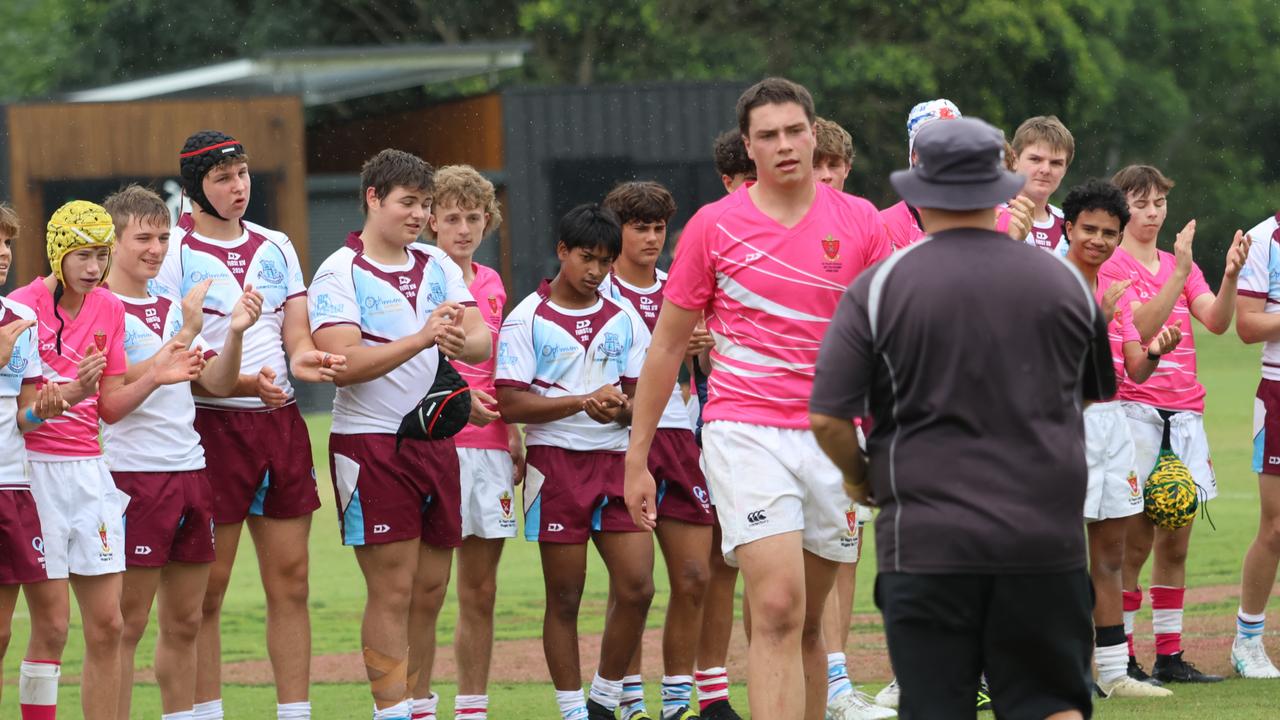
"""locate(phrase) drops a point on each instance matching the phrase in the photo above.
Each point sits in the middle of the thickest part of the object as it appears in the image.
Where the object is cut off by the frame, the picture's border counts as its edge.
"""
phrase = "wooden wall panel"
(66, 141)
(467, 131)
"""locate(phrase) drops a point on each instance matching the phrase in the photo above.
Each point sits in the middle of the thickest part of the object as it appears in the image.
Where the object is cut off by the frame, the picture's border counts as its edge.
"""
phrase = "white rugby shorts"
(1115, 488)
(1186, 436)
(488, 493)
(81, 516)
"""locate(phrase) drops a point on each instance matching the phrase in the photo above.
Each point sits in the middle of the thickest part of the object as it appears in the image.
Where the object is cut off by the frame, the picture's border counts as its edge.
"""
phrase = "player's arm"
(306, 362)
(1253, 323)
(1140, 362)
(1150, 316)
(221, 374)
(519, 405)
(369, 362)
(478, 345)
(842, 381)
(36, 406)
(1214, 311)
(174, 364)
(623, 416)
(838, 438)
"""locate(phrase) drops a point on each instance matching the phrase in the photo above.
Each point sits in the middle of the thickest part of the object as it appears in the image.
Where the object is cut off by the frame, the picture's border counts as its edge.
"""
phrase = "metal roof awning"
(323, 76)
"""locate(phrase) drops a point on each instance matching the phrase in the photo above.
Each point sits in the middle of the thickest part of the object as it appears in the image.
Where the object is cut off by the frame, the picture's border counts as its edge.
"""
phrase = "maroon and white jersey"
(387, 303)
(1049, 235)
(555, 351)
(160, 435)
(647, 303)
(260, 257)
(22, 368)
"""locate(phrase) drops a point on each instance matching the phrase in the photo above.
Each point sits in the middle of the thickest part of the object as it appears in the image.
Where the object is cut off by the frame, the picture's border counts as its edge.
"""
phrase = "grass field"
(1229, 371)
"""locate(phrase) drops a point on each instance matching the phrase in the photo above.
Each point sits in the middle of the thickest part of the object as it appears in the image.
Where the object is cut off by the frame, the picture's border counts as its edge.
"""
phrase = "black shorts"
(1031, 634)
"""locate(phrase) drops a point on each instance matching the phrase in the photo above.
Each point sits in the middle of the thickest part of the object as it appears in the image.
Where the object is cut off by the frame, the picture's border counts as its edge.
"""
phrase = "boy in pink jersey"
(684, 509)
(155, 454)
(490, 452)
(1095, 215)
(395, 308)
(767, 266)
(81, 335)
(23, 408)
(1168, 288)
(1043, 147)
(265, 476)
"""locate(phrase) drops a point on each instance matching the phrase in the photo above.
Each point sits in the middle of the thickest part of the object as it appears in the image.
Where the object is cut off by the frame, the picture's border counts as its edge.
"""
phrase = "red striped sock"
(1132, 603)
(1166, 618)
(713, 685)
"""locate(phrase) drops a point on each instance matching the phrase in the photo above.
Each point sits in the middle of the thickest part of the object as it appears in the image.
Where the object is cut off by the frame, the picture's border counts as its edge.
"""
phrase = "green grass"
(1229, 371)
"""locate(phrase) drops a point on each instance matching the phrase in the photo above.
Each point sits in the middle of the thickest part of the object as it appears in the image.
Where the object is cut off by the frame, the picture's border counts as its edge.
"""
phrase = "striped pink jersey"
(768, 294)
(100, 323)
(900, 223)
(1174, 385)
(486, 287)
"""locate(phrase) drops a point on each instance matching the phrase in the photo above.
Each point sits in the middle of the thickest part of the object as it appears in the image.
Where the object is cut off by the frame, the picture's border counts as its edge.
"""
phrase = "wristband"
(1153, 357)
(33, 418)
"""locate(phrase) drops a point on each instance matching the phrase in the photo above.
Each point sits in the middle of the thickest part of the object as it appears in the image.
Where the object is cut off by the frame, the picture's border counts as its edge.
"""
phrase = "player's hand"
(49, 402)
(193, 309)
(247, 310)
(176, 364)
(446, 315)
(89, 371)
(516, 447)
(269, 393)
(1112, 296)
(604, 404)
(641, 495)
(317, 366)
(700, 341)
(1182, 250)
(1237, 254)
(1021, 212)
(859, 492)
(1165, 341)
(481, 412)
(9, 335)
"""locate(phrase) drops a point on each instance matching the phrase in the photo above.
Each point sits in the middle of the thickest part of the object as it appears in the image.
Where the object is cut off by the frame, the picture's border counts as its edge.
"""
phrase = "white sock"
(572, 705)
(38, 684)
(211, 710)
(606, 692)
(838, 682)
(399, 711)
(425, 708)
(294, 711)
(677, 693)
(180, 715)
(471, 707)
(1112, 661)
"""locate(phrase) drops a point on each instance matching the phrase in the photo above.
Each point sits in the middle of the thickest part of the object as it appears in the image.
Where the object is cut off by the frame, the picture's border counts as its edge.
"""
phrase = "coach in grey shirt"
(972, 357)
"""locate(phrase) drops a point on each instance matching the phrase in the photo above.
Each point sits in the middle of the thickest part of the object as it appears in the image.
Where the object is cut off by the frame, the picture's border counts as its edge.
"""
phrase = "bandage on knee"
(391, 685)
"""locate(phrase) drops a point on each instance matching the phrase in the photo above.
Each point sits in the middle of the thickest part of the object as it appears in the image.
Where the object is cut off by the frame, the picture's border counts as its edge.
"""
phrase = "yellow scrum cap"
(77, 225)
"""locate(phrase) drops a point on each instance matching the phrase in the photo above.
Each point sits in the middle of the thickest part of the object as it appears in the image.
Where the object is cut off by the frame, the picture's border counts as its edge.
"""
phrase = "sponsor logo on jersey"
(326, 306)
(504, 500)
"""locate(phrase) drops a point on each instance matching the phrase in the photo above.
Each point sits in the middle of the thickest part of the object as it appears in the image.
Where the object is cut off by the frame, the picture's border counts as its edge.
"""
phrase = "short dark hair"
(1140, 180)
(731, 155)
(590, 226)
(1095, 194)
(772, 91)
(390, 169)
(641, 201)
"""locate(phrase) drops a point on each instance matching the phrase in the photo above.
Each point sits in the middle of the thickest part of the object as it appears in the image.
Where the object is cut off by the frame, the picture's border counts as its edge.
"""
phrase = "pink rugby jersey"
(557, 352)
(160, 435)
(647, 303)
(1120, 329)
(387, 303)
(260, 257)
(901, 225)
(1173, 385)
(1048, 235)
(23, 368)
(100, 323)
(768, 294)
(490, 295)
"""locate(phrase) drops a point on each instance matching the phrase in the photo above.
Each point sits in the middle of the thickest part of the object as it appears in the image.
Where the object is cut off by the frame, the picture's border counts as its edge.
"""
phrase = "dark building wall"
(569, 145)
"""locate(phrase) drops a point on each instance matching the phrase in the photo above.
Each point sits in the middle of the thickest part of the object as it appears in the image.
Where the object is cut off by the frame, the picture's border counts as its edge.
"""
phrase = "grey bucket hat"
(961, 167)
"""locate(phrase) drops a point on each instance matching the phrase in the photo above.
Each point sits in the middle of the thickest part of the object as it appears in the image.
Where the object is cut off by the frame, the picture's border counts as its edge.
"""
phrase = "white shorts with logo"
(769, 480)
(1186, 437)
(488, 496)
(81, 515)
(1115, 489)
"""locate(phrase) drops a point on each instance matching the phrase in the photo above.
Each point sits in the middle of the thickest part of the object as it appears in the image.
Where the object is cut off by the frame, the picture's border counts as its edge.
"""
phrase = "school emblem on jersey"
(612, 346)
(270, 272)
(493, 304)
(1134, 491)
(505, 501)
(17, 364)
(831, 248)
(437, 293)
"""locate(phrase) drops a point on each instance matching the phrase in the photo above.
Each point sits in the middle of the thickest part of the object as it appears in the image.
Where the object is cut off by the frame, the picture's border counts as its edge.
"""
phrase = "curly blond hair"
(464, 186)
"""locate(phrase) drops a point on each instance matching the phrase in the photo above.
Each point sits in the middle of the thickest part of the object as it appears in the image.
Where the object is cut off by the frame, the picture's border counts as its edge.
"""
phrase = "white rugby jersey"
(260, 257)
(23, 367)
(387, 303)
(647, 303)
(557, 352)
(1260, 278)
(160, 435)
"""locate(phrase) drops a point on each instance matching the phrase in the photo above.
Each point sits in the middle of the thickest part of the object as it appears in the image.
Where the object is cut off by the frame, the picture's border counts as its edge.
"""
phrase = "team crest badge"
(493, 304)
(505, 501)
(851, 517)
(831, 248)
(270, 273)
(102, 537)
(1133, 485)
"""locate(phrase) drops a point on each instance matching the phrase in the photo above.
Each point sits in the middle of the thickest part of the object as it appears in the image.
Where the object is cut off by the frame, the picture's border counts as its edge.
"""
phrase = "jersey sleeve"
(517, 362)
(879, 246)
(639, 348)
(455, 284)
(297, 287)
(117, 361)
(842, 378)
(331, 299)
(1196, 285)
(691, 280)
(34, 372)
(1255, 277)
(1124, 317)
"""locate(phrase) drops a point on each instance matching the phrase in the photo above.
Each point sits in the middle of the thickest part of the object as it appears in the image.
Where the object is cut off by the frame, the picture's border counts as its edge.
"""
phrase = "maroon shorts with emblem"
(385, 495)
(569, 494)
(169, 517)
(682, 490)
(259, 463)
(21, 541)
